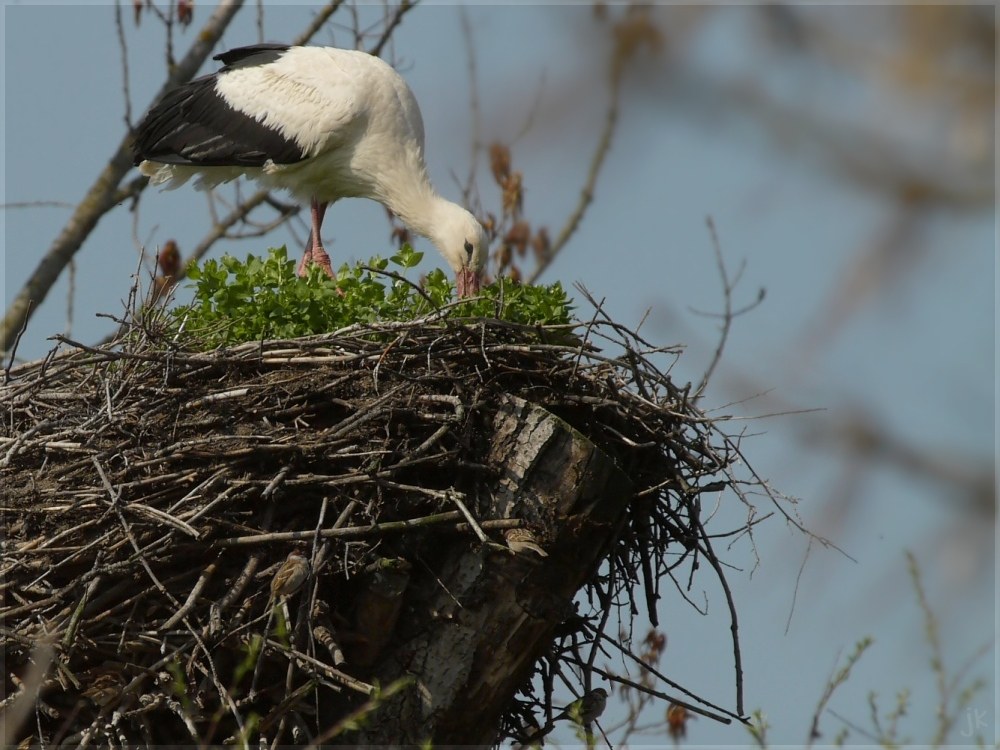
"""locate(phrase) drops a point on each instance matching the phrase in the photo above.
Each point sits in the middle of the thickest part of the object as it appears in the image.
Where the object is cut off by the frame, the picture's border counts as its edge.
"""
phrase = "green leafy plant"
(247, 300)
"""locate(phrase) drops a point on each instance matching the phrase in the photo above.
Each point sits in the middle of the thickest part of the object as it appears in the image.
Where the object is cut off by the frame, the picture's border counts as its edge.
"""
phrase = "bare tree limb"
(317, 23)
(123, 49)
(219, 230)
(476, 141)
(99, 199)
(397, 18)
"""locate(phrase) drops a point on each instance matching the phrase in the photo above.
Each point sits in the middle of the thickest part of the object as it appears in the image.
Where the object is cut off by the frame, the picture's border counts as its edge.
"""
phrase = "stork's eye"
(468, 249)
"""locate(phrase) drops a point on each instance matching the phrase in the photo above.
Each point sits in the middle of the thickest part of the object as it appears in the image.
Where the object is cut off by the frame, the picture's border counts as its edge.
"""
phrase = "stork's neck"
(407, 191)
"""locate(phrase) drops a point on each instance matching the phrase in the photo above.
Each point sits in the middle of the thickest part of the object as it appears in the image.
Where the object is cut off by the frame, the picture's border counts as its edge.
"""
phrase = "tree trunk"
(471, 643)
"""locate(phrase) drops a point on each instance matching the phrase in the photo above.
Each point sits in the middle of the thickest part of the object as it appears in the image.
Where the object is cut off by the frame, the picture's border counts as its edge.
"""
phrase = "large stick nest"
(150, 495)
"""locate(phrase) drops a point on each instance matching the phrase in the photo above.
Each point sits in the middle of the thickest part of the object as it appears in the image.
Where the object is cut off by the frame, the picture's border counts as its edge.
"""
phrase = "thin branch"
(475, 112)
(727, 317)
(37, 204)
(322, 16)
(397, 18)
(728, 314)
(99, 198)
(123, 48)
(374, 530)
(189, 603)
(587, 193)
(221, 227)
(13, 349)
(454, 497)
(734, 627)
(70, 298)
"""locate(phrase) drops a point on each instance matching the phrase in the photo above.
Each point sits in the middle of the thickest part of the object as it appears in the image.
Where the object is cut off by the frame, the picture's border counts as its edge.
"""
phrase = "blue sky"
(917, 356)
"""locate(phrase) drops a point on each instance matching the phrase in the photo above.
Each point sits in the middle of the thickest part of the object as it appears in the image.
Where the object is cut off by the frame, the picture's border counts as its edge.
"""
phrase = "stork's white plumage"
(322, 122)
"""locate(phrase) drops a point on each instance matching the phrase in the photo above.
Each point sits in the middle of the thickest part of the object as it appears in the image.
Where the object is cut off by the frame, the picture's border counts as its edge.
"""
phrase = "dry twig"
(194, 474)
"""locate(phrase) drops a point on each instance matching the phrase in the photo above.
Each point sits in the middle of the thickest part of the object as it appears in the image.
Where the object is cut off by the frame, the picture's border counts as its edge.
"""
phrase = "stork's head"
(463, 242)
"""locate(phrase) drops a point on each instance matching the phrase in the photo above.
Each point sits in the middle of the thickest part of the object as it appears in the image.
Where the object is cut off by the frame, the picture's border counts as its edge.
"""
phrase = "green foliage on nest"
(237, 301)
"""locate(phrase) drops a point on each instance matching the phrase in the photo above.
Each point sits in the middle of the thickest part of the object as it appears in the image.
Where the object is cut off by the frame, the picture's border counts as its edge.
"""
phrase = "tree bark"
(471, 643)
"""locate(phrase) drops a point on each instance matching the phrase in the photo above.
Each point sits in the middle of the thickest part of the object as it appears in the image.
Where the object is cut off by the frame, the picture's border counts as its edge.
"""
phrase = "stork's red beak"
(467, 283)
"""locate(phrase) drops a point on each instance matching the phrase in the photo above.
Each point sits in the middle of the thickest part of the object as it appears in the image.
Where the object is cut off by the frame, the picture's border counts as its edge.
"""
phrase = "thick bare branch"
(100, 198)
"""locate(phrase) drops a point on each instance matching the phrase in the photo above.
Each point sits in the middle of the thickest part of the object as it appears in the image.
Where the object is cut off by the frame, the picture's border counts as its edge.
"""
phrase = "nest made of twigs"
(151, 494)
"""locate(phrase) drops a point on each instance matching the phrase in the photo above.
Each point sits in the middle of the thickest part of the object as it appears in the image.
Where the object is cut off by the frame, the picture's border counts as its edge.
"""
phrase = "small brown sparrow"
(104, 689)
(290, 576)
(587, 709)
(522, 540)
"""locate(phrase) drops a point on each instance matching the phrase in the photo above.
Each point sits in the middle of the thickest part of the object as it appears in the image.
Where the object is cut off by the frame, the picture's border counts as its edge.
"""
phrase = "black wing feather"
(192, 124)
(232, 56)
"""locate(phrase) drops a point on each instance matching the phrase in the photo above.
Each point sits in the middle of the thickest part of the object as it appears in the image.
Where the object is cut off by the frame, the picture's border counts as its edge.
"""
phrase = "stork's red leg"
(307, 255)
(314, 252)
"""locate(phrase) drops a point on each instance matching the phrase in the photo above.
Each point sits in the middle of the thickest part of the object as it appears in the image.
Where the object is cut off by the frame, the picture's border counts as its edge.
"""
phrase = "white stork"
(325, 124)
